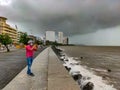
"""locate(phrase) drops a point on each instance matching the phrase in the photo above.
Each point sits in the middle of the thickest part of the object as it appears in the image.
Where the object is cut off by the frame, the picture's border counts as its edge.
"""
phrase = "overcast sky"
(91, 22)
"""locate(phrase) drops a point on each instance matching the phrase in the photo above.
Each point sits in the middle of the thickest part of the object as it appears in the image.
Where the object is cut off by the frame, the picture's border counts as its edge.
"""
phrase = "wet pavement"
(11, 64)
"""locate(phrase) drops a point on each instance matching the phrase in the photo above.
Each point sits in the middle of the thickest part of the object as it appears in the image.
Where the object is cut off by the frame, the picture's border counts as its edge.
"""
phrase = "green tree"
(5, 39)
(24, 38)
(39, 42)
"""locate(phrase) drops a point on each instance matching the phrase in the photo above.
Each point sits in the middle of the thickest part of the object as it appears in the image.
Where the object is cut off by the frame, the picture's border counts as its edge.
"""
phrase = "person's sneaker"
(31, 74)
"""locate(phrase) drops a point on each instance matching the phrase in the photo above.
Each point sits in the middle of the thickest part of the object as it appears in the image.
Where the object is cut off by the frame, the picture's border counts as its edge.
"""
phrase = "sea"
(102, 61)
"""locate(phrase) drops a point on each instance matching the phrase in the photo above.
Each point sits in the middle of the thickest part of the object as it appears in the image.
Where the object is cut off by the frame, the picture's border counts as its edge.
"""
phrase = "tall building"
(44, 40)
(66, 40)
(50, 36)
(60, 37)
(7, 29)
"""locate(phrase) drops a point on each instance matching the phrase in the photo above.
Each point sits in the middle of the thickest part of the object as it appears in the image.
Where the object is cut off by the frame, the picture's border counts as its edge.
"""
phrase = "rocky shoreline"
(86, 82)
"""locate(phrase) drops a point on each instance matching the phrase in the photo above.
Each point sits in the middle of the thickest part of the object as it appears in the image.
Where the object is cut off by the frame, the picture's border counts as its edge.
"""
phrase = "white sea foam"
(99, 83)
(99, 70)
(62, 57)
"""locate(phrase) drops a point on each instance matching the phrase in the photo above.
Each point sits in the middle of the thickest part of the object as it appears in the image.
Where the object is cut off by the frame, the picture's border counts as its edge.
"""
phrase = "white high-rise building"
(60, 37)
(66, 40)
(50, 36)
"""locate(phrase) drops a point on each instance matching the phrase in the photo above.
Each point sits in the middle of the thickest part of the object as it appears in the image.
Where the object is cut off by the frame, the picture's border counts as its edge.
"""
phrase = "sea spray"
(88, 77)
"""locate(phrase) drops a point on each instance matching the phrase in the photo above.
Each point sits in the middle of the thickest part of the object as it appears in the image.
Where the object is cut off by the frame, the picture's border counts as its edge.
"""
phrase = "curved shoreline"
(100, 83)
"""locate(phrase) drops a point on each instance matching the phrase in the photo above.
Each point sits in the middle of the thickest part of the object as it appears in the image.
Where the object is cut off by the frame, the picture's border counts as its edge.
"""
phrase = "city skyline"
(14, 33)
(82, 21)
(56, 37)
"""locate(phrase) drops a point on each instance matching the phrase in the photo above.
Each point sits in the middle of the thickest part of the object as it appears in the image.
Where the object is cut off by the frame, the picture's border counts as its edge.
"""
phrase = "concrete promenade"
(49, 75)
(11, 64)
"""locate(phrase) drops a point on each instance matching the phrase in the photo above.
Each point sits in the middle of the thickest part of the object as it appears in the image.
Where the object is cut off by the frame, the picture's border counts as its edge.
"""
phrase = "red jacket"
(29, 51)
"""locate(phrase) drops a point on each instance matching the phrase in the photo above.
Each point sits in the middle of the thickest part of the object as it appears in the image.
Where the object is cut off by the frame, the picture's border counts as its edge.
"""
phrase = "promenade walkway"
(11, 64)
(49, 75)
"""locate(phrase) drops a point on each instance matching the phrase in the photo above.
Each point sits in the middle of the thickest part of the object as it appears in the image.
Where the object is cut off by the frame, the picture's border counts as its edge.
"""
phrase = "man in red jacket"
(30, 48)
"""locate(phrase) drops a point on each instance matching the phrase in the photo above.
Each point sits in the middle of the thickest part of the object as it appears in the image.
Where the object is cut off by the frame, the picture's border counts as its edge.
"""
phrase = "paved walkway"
(49, 75)
(11, 64)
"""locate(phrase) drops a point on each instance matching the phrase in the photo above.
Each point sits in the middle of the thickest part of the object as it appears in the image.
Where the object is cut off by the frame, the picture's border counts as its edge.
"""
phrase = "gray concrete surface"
(58, 77)
(39, 82)
(11, 64)
(49, 75)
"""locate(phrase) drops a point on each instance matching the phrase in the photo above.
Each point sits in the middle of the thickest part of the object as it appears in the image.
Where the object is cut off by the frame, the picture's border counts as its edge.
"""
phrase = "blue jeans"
(29, 63)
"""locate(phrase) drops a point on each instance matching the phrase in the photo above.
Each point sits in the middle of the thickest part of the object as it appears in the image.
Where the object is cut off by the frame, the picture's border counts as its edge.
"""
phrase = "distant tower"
(60, 37)
(66, 40)
(44, 40)
(50, 36)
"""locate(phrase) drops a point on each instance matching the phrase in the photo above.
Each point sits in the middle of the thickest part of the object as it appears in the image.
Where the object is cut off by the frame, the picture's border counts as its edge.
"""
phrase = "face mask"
(31, 44)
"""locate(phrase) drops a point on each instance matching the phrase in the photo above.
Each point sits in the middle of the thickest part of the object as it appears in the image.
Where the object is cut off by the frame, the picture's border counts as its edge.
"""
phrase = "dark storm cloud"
(70, 16)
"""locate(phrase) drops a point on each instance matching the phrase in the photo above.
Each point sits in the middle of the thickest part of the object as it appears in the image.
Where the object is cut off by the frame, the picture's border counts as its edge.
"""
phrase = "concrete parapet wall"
(58, 77)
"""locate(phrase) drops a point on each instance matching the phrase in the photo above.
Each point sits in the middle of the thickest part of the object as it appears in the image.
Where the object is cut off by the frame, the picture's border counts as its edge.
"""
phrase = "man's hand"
(35, 47)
